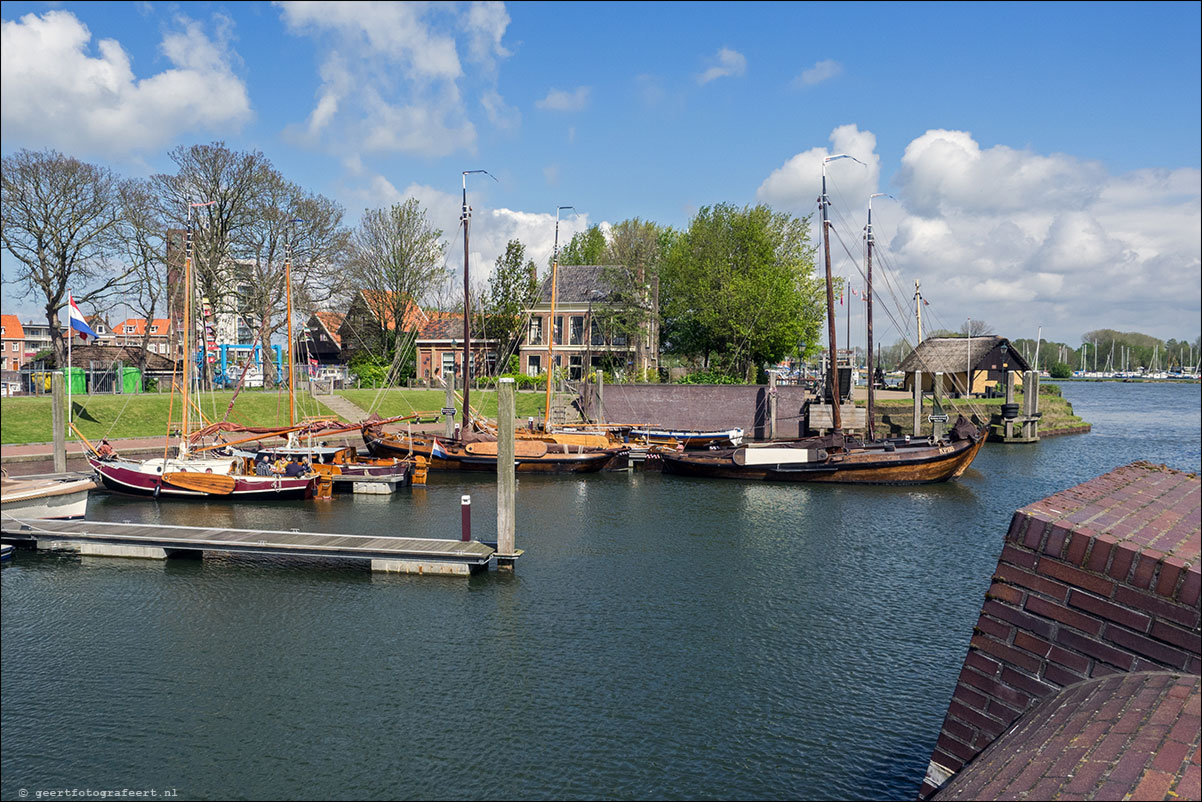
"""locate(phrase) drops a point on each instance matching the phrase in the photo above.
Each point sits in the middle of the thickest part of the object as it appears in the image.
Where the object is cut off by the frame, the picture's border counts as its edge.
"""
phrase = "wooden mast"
(833, 372)
(466, 217)
(551, 325)
(870, 240)
(288, 290)
(187, 331)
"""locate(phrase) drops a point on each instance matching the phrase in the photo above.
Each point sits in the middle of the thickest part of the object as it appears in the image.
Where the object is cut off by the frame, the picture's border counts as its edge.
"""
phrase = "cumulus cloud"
(562, 100)
(392, 78)
(821, 71)
(727, 63)
(1016, 238)
(61, 91)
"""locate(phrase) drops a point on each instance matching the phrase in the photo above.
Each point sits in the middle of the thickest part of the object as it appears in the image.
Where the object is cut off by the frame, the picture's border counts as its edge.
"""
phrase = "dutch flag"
(437, 451)
(77, 320)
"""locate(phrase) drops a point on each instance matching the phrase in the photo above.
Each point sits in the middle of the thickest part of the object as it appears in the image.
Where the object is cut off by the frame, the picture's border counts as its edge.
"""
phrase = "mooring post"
(600, 396)
(771, 405)
(917, 403)
(465, 517)
(506, 474)
(58, 419)
(1008, 423)
(937, 396)
(1031, 405)
(449, 403)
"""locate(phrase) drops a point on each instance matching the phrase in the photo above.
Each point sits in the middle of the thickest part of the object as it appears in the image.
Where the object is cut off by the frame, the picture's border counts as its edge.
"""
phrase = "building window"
(596, 336)
(535, 335)
(534, 364)
(559, 329)
(576, 330)
(575, 370)
(448, 363)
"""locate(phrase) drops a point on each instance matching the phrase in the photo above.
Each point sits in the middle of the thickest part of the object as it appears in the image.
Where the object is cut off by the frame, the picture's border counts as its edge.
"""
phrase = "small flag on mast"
(78, 322)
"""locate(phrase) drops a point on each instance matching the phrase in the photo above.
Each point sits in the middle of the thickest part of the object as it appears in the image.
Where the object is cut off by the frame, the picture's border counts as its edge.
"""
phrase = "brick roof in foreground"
(1125, 736)
(1099, 579)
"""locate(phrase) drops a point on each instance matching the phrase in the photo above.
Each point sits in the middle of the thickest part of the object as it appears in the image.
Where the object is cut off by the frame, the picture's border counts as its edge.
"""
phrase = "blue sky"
(1044, 157)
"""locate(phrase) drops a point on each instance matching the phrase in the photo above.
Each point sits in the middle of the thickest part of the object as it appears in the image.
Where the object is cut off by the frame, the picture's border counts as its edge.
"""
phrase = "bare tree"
(141, 236)
(975, 328)
(396, 259)
(284, 212)
(58, 216)
(233, 182)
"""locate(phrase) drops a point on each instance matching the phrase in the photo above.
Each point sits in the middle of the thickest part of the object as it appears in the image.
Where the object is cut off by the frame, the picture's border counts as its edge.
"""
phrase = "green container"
(131, 380)
(76, 380)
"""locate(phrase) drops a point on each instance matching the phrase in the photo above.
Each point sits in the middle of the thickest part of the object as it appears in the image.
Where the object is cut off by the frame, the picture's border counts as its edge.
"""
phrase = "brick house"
(12, 337)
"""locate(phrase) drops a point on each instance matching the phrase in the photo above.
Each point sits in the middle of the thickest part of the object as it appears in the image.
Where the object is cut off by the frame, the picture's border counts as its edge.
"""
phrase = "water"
(662, 637)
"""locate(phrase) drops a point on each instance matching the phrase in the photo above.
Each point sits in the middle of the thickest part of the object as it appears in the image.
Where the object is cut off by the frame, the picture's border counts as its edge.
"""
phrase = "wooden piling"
(449, 403)
(771, 405)
(917, 428)
(506, 474)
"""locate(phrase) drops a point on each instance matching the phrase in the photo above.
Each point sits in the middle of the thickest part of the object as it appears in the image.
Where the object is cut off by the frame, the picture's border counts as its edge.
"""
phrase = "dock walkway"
(156, 541)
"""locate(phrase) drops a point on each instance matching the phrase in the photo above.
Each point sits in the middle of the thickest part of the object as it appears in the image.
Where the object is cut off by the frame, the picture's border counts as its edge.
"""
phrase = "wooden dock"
(155, 541)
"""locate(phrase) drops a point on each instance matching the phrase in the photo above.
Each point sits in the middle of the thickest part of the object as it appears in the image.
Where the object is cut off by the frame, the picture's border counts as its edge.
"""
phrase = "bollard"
(465, 516)
(506, 476)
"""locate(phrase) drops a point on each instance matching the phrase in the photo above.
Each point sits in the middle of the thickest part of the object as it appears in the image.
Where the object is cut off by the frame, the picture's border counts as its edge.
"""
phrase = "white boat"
(44, 498)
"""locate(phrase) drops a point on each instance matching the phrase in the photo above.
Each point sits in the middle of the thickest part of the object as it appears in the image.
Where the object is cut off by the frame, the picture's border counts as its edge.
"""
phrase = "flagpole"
(69, 339)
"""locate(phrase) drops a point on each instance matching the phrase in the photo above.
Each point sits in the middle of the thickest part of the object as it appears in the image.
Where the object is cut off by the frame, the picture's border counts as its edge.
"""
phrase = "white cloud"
(1013, 237)
(821, 71)
(727, 63)
(492, 228)
(562, 100)
(61, 92)
(392, 74)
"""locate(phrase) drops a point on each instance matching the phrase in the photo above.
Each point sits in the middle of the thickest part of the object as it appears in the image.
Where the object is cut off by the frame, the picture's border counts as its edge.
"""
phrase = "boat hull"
(911, 465)
(45, 499)
(453, 456)
(140, 479)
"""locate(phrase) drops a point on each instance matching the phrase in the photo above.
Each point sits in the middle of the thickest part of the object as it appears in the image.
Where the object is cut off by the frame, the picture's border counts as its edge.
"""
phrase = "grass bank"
(896, 417)
(28, 420)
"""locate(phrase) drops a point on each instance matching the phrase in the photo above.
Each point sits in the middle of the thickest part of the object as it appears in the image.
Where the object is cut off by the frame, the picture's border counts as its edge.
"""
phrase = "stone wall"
(1099, 579)
(699, 406)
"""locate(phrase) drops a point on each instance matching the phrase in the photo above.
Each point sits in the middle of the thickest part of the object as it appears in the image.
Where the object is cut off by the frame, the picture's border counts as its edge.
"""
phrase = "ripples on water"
(662, 637)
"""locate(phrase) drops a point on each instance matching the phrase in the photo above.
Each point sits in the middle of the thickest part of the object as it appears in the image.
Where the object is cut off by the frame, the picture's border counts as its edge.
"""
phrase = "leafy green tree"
(512, 290)
(632, 262)
(738, 289)
(585, 248)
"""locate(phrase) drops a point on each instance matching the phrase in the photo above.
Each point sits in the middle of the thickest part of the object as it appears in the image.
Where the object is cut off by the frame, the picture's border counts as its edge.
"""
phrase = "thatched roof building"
(987, 358)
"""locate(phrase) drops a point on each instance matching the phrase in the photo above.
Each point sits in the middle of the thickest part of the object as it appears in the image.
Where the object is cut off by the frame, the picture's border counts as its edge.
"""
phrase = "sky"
(1042, 160)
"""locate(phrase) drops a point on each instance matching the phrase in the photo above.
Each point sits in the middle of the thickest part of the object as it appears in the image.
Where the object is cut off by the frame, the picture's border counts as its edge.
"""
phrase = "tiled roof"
(379, 304)
(577, 285)
(331, 322)
(12, 327)
(139, 323)
(442, 326)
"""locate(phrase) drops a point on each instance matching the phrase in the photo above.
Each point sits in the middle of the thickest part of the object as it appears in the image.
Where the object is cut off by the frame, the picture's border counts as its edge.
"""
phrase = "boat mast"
(183, 444)
(466, 217)
(833, 370)
(918, 309)
(288, 290)
(551, 325)
(869, 240)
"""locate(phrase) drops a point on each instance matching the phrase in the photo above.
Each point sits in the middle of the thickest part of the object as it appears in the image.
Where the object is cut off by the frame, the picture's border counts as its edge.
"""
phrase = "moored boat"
(45, 498)
(196, 477)
(530, 456)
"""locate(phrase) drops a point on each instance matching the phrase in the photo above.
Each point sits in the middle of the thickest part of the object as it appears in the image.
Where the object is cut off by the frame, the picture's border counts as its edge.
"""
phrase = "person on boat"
(263, 467)
(106, 451)
(294, 468)
(278, 466)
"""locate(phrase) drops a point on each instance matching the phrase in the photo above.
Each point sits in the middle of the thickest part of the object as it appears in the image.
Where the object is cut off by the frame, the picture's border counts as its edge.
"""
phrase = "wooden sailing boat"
(476, 449)
(189, 476)
(836, 458)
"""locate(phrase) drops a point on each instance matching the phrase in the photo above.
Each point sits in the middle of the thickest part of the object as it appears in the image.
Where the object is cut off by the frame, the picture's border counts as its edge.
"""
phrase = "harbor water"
(662, 637)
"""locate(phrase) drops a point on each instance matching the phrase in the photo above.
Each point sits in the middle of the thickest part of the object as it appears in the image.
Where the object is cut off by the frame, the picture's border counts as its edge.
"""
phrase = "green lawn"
(391, 403)
(28, 420)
